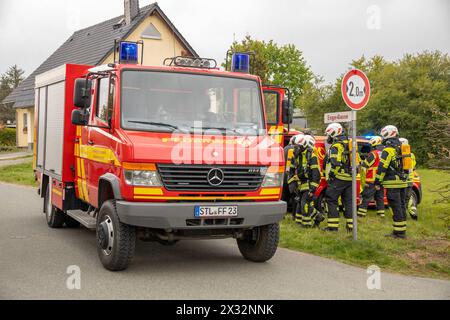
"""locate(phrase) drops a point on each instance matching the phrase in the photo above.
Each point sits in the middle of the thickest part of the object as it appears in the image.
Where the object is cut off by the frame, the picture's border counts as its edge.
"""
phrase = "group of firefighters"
(383, 168)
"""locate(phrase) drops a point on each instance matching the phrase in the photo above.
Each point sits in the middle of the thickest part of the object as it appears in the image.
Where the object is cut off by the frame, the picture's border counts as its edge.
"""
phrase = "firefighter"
(368, 171)
(391, 175)
(339, 177)
(293, 179)
(308, 171)
(410, 207)
(289, 193)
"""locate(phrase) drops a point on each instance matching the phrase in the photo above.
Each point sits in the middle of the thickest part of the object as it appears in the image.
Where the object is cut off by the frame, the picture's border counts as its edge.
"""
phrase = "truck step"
(83, 218)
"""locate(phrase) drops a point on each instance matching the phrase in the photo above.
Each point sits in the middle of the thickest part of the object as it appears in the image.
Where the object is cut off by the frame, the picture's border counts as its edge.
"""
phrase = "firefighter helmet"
(310, 142)
(298, 139)
(334, 130)
(389, 132)
(307, 142)
(404, 141)
(376, 141)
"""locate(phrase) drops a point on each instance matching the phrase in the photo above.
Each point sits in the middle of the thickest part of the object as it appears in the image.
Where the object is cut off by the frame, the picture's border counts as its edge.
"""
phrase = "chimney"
(131, 10)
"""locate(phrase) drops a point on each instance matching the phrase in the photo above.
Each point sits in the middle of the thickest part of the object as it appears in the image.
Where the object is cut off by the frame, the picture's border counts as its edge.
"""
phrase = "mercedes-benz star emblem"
(215, 177)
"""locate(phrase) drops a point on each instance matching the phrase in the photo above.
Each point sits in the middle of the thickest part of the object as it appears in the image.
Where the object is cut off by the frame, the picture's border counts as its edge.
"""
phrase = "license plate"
(215, 211)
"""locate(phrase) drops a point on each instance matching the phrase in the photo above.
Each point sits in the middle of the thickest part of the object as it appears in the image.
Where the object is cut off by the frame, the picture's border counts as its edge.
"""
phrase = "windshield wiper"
(158, 124)
(218, 128)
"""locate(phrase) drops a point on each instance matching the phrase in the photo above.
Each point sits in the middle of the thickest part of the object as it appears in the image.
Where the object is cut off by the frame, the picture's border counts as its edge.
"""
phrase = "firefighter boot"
(349, 225)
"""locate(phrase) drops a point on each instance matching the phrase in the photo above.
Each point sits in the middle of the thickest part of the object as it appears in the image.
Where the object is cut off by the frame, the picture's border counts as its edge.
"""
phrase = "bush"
(8, 137)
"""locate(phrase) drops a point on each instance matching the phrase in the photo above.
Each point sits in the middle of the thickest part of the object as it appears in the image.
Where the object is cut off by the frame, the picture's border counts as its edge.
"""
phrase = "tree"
(277, 65)
(10, 80)
(412, 93)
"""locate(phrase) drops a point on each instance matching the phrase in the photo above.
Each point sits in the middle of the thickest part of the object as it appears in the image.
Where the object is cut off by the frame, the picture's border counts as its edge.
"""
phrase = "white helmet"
(298, 139)
(291, 141)
(307, 142)
(334, 130)
(404, 141)
(389, 132)
(376, 141)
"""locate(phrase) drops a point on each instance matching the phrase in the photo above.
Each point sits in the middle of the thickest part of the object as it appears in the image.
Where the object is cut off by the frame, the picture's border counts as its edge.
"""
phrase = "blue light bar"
(240, 62)
(128, 52)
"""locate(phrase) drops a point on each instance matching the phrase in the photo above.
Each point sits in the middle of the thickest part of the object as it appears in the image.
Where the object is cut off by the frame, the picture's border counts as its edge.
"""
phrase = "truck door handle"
(90, 142)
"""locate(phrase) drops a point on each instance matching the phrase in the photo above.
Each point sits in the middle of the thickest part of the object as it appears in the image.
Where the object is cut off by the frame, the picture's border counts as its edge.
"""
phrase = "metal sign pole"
(354, 173)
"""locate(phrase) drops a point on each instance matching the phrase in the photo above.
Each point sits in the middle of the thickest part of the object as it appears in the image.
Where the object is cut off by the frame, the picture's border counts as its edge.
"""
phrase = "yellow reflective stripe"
(333, 219)
(85, 190)
(148, 191)
(399, 224)
(314, 184)
(83, 171)
(315, 166)
(333, 225)
(99, 154)
(270, 191)
(80, 189)
(399, 228)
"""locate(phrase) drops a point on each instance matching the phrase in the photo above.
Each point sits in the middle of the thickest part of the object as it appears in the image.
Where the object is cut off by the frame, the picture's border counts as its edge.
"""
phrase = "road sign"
(346, 116)
(355, 89)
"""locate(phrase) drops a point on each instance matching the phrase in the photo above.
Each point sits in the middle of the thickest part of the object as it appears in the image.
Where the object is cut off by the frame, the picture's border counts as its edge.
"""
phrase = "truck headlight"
(273, 178)
(142, 178)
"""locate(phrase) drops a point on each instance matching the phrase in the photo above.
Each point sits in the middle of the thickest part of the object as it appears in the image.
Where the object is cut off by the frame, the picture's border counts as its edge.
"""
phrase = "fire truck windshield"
(172, 101)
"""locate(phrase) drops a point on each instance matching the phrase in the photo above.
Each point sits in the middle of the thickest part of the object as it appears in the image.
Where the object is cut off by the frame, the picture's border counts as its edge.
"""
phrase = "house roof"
(88, 46)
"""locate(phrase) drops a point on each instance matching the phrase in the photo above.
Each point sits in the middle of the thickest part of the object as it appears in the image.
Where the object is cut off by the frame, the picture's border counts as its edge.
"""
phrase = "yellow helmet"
(376, 141)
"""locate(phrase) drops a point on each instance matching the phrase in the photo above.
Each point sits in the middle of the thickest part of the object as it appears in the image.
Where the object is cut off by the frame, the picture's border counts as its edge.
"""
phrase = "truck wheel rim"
(110, 236)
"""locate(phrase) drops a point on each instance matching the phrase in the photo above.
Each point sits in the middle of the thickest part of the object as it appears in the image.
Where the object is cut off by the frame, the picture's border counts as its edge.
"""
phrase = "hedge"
(8, 137)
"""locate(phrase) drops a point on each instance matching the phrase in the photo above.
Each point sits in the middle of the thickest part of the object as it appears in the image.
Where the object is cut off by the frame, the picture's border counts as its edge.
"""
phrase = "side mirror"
(287, 114)
(82, 93)
(80, 117)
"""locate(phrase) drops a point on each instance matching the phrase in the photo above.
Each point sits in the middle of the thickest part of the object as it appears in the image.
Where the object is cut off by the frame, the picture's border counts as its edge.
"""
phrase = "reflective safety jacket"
(339, 160)
(390, 171)
(370, 165)
(305, 165)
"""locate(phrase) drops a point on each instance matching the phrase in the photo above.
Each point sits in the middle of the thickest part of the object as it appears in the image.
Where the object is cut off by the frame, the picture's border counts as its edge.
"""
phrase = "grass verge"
(18, 174)
(426, 252)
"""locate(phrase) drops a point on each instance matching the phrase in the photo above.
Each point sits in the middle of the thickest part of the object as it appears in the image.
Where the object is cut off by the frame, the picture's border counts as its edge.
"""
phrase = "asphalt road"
(34, 261)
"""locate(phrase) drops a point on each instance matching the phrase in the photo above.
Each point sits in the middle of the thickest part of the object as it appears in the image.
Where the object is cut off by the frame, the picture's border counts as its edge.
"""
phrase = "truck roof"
(217, 72)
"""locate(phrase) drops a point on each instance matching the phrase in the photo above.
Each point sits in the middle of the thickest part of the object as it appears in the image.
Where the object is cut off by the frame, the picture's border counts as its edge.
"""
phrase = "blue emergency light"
(240, 62)
(128, 52)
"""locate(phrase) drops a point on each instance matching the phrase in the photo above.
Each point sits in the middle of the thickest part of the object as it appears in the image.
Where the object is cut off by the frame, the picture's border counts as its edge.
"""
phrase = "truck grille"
(195, 177)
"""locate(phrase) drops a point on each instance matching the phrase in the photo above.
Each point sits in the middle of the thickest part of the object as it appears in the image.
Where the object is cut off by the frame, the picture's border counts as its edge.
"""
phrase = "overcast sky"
(330, 33)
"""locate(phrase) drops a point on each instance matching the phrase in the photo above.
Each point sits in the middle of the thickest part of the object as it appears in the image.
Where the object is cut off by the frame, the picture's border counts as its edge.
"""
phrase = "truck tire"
(55, 217)
(260, 244)
(116, 241)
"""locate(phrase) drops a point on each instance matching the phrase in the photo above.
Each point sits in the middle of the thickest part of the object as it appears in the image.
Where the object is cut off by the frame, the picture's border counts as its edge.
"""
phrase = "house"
(95, 46)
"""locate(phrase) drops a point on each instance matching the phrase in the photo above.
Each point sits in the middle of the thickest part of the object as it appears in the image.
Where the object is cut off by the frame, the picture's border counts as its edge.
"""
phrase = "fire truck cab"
(166, 153)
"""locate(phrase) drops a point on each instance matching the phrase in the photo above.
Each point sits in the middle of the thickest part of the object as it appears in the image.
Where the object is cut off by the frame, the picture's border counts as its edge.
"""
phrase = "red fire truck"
(161, 154)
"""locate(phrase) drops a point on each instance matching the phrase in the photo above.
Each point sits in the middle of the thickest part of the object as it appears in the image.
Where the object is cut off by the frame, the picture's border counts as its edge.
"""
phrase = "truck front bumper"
(181, 215)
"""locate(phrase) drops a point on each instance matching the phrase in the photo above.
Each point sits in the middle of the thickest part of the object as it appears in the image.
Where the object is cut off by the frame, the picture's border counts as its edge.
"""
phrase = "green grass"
(426, 252)
(18, 174)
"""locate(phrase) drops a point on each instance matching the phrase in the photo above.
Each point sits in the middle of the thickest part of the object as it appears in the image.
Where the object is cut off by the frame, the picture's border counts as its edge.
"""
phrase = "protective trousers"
(339, 188)
(397, 202)
(367, 195)
(307, 209)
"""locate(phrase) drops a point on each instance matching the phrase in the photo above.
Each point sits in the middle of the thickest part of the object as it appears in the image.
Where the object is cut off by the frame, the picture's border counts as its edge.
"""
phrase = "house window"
(151, 33)
(25, 122)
